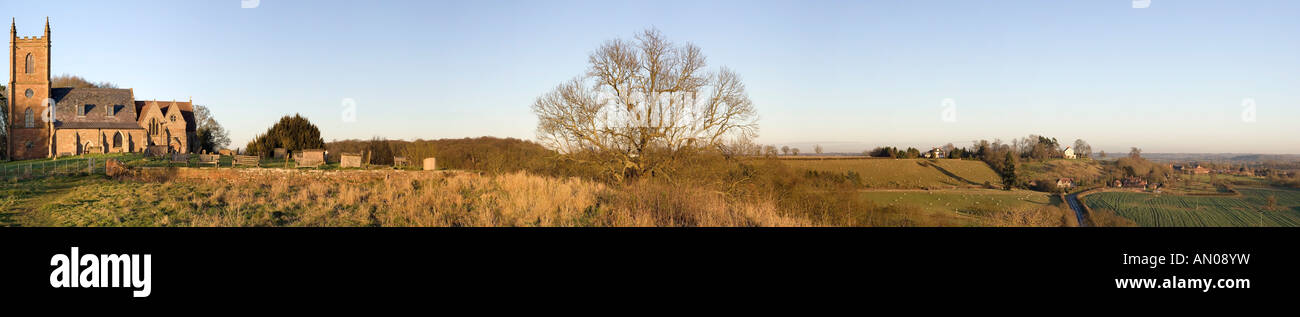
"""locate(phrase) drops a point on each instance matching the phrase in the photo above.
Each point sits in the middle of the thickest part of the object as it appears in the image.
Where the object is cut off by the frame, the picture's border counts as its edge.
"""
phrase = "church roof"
(94, 108)
(186, 108)
(99, 125)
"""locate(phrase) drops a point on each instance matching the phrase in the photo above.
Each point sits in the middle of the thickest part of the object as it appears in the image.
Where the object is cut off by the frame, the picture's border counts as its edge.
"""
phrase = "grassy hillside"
(1250, 209)
(907, 173)
(1084, 172)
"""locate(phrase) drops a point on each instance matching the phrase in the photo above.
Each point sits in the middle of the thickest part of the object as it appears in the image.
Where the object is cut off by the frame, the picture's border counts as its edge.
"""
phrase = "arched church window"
(29, 118)
(31, 66)
(117, 140)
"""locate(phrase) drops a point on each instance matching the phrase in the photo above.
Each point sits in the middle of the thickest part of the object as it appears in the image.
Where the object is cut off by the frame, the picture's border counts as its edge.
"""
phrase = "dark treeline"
(889, 151)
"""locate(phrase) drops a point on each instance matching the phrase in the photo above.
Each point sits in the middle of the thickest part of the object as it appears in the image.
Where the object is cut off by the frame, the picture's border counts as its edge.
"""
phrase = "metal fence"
(57, 167)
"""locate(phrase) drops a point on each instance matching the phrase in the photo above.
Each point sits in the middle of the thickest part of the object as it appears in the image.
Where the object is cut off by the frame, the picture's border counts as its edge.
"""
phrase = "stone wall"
(67, 141)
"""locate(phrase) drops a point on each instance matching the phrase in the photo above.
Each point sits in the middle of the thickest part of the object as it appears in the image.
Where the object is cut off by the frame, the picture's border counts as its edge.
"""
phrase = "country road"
(1073, 200)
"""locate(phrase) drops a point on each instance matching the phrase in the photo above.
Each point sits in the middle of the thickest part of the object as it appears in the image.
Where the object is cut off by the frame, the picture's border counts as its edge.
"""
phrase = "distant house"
(1187, 169)
(1065, 183)
(1069, 153)
(1134, 182)
(935, 153)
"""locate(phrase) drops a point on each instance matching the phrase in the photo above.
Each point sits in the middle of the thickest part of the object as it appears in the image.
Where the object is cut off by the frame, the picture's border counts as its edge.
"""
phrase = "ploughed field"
(1251, 209)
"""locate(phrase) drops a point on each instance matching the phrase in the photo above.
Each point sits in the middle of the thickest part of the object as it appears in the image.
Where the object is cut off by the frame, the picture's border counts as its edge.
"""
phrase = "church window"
(31, 67)
(29, 93)
(30, 118)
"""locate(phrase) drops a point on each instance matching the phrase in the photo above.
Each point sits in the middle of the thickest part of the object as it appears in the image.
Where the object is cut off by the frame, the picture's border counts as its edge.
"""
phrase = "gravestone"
(155, 151)
(310, 158)
(210, 159)
(430, 164)
(350, 160)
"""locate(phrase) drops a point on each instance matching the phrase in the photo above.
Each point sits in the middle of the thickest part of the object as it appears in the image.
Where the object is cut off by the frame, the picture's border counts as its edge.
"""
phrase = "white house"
(1069, 153)
(935, 153)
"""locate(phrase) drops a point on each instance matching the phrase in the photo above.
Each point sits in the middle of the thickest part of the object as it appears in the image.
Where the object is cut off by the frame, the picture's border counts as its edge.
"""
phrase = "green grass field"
(961, 201)
(979, 207)
(1248, 210)
(908, 173)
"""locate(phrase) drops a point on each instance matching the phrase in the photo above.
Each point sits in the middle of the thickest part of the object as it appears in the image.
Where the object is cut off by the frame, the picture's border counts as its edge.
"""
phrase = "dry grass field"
(270, 197)
(907, 173)
(721, 193)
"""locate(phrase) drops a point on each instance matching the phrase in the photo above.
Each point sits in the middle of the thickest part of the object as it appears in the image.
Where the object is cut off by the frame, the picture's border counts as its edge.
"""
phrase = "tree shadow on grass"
(946, 172)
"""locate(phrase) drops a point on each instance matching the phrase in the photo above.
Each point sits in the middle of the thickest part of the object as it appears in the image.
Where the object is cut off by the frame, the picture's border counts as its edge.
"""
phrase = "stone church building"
(83, 120)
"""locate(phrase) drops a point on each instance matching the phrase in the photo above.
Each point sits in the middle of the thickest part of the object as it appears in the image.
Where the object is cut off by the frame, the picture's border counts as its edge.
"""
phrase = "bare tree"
(817, 149)
(642, 105)
(794, 151)
(1082, 148)
(785, 150)
(742, 147)
(74, 81)
(212, 137)
(1135, 152)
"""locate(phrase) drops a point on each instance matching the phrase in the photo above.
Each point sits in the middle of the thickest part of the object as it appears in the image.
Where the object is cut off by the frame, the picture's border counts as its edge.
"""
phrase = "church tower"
(29, 87)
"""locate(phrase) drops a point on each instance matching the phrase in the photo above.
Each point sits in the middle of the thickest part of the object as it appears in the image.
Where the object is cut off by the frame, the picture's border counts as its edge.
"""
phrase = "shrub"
(1103, 217)
(293, 133)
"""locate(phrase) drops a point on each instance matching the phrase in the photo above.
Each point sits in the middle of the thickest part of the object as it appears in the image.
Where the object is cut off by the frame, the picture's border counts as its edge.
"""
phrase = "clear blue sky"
(849, 74)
